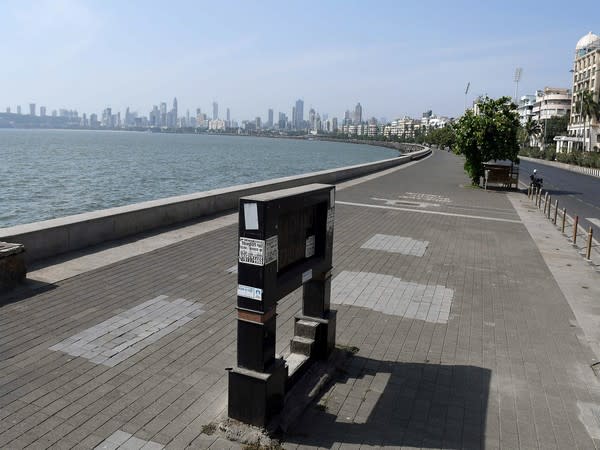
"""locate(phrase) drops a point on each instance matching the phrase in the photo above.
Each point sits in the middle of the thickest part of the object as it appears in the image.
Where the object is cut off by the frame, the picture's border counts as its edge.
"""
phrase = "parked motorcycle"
(536, 182)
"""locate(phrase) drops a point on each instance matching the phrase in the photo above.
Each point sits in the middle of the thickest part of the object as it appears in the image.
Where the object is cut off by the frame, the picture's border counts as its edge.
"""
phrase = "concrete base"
(324, 334)
(256, 397)
(12, 265)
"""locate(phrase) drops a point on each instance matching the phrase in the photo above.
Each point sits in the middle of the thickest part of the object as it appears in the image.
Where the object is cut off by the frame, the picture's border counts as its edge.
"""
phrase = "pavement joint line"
(439, 213)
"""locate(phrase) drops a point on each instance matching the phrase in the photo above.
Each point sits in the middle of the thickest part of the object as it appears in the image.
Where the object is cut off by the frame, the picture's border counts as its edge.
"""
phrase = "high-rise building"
(294, 117)
(163, 115)
(311, 118)
(583, 133)
(357, 114)
(8, 109)
(228, 118)
(18, 109)
(299, 122)
(32, 109)
(215, 106)
(258, 123)
(347, 120)
(270, 120)
(282, 122)
(42, 111)
(175, 109)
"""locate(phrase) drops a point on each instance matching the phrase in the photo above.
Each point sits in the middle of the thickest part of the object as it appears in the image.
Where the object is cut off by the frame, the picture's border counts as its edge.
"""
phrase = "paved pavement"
(465, 337)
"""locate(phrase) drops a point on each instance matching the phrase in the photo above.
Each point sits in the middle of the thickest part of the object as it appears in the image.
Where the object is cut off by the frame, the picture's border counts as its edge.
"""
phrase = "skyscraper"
(228, 118)
(175, 110)
(299, 123)
(32, 109)
(358, 114)
(42, 111)
(163, 114)
(270, 121)
(215, 106)
(311, 119)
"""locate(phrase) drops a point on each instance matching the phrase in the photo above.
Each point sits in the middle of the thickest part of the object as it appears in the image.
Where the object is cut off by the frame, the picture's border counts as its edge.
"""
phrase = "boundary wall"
(56, 236)
(573, 168)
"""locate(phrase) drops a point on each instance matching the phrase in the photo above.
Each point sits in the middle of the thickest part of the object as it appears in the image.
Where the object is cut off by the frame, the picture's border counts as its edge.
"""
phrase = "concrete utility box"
(12, 265)
(285, 242)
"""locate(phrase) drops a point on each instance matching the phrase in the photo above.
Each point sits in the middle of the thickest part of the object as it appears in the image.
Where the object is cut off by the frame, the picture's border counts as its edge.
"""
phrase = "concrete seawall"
(53, 237)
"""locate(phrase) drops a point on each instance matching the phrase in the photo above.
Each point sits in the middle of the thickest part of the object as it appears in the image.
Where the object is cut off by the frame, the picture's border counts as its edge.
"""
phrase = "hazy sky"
(397, 58)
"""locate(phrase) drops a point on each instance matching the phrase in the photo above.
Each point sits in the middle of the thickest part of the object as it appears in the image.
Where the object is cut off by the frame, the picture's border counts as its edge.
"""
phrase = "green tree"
(443, 137)
(555, 126)
(532, 129)
(489, 134)
(589, 109)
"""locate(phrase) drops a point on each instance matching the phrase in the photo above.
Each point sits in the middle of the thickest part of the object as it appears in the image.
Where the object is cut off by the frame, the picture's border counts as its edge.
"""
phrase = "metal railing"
(583, 240)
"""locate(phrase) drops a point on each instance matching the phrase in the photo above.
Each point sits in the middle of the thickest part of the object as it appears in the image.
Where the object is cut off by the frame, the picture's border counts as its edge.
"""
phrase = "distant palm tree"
(532, 129)
(589, 109)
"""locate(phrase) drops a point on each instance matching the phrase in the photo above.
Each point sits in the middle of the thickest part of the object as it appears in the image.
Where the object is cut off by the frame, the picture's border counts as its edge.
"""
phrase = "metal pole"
(549, 206)
(564, 218)
(588, 251)
(555, 211)
(575, 229)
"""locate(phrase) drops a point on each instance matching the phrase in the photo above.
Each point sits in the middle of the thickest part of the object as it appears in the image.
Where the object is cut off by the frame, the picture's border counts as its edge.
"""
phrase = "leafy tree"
(555, 126)
(532, 129)
(489, 134)
(589, 109)
(443, 137)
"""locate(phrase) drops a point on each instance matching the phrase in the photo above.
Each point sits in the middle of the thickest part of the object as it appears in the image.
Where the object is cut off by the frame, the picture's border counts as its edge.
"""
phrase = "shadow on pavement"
(24, 291)
(394, 404)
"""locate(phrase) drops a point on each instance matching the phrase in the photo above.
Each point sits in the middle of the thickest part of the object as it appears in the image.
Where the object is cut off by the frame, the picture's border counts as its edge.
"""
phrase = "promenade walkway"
(465, 338)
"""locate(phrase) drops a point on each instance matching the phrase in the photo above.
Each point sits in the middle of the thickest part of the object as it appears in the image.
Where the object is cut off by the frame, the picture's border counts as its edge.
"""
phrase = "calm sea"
(51, 173)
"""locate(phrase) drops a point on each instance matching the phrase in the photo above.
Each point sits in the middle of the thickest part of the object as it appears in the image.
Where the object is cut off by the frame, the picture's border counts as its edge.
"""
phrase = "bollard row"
(539, 197)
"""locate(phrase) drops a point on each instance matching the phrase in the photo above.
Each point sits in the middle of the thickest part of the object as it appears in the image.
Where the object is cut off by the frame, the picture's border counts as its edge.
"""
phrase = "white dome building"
(583, 132)
(587, 43)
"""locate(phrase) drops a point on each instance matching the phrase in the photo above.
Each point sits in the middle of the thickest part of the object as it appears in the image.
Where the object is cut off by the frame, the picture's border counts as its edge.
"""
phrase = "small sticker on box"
(330, 219)
(249, 292)
(271, 250)
(310, 246)
(252, 251)
(307, 276)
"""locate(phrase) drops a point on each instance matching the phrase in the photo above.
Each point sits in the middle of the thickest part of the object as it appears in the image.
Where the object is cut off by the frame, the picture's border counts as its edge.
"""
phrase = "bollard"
(528, 191)
(549, 206)
(588, 250)
(539, 199)
(555, 211)
(564, 219)
(575, 223)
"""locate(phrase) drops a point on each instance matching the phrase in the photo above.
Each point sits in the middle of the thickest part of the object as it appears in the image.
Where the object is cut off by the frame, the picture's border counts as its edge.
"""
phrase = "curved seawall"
(65, 234)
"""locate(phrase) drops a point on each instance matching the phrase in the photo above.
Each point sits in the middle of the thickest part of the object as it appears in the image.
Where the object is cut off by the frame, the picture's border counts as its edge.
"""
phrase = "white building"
(586, 77)
(525, 108)
(551, 102)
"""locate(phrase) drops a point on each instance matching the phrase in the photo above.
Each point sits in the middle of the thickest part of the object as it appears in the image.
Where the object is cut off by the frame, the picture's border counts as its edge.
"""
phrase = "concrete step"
(301, 345)
(306, 328)
(294, 362)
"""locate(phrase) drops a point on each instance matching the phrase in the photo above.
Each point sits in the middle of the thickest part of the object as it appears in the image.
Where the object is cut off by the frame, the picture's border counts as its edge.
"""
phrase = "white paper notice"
(310, 246)
(249, 292)
(252, 251)
(271, 250)
(307, 276)
(251, 216)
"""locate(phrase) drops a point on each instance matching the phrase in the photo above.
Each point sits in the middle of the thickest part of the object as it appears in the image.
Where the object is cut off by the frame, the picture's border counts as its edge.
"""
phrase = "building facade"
(583, 134)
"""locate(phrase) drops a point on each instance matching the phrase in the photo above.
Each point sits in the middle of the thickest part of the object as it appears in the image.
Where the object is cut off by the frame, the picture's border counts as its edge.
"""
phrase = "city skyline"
(76, 55)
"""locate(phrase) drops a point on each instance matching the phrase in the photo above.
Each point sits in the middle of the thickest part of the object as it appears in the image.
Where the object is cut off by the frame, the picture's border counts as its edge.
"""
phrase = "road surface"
(577, 192)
